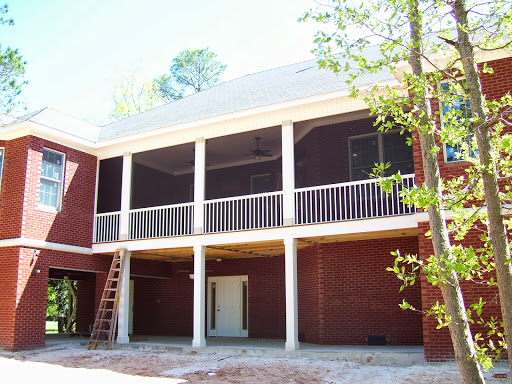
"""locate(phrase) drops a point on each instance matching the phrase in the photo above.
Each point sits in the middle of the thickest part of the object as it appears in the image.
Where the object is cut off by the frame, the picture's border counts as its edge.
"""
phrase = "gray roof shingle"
(269, 87)
(60, 121)
(291, 82)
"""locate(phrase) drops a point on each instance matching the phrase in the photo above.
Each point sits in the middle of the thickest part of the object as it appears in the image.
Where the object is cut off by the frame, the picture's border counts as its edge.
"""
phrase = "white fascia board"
(34, 243)
(297, 231)
(332, 103)
(42, 131)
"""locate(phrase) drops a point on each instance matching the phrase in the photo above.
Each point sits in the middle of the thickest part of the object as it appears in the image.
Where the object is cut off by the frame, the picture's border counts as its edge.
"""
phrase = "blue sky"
(75, 50)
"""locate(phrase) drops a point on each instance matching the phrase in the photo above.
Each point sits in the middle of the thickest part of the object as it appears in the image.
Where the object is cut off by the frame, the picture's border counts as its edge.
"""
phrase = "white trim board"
(34, 243)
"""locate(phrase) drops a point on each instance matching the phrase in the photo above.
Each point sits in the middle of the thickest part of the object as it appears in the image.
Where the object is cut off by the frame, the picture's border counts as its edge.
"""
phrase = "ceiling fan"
(259, 153)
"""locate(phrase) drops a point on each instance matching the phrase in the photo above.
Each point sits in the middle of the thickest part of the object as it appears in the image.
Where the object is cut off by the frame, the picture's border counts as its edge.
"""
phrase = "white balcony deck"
(313, 205)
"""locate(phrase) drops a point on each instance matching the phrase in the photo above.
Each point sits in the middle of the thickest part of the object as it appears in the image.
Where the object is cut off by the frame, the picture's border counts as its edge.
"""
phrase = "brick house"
(245, 209)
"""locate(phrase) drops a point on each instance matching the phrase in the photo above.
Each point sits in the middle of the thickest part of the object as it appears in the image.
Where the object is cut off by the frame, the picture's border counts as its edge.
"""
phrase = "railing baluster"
(337, 202)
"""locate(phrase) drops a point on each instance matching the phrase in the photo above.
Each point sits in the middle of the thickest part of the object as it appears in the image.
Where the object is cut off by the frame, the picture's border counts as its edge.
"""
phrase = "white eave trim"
(26, 128)
(41, 244)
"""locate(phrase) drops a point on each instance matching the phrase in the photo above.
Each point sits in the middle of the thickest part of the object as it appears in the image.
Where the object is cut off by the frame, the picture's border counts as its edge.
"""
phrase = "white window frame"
(61, 183)
(441, 117)
(2, 149)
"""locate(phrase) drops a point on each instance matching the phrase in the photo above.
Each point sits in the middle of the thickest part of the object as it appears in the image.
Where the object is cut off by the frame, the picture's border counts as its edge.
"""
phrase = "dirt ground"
(74, 363)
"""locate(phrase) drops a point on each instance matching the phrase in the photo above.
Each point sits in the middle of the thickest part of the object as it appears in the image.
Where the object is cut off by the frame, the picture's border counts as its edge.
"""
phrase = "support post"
(199, 184)
(288, 144)
(199, 340)
(292, 307)
(126, 193)
(124, 302)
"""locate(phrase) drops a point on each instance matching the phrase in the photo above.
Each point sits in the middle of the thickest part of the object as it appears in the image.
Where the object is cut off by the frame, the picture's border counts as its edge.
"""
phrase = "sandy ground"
(74, 363)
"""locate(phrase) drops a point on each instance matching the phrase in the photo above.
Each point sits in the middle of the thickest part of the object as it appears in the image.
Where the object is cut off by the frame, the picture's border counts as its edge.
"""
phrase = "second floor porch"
(311, 205)
(309, 172)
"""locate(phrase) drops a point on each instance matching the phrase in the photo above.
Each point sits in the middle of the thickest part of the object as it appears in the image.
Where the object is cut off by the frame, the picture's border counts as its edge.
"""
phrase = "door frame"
(215, 279)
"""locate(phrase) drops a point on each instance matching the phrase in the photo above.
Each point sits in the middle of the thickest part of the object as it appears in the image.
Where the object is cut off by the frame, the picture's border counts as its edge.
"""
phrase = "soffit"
(263, 248)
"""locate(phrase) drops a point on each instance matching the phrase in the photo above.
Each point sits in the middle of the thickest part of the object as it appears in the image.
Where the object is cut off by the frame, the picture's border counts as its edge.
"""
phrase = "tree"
(483, 126)
(167, 88)
(133, 96)
(196, 70)
(415, 32)
(12, 69)
(61, 306)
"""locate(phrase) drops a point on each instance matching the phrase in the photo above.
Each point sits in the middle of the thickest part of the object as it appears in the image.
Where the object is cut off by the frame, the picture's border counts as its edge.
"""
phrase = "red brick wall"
(13, 186)
(23, 309)
(438, 346)
(8, 281)
(345, 294)
(358, 297)
(329, 161)
(308, 293)
(437, 343)
(74, 224)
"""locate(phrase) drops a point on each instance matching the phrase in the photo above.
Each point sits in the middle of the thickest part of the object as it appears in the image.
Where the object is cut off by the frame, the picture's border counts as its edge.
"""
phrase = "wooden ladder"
(104, 327)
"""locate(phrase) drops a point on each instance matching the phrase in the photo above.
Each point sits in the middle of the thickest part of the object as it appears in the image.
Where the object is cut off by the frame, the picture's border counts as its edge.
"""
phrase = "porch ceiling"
(263, 248)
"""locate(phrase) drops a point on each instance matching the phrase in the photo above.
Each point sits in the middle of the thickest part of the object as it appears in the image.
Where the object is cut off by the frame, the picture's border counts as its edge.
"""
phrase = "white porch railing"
(239, 213)
(106, 227)
(349, 201)
(165, 221)
(328, 203)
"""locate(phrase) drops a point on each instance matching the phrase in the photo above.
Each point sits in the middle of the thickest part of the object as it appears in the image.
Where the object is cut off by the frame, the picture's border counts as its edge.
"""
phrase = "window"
(1, 164)
(50, 189)
(386, 147)
(260, 183)
(457, 108)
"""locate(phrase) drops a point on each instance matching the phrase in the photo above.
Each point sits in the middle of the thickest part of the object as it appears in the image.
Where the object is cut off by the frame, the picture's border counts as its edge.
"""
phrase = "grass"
(51, 327)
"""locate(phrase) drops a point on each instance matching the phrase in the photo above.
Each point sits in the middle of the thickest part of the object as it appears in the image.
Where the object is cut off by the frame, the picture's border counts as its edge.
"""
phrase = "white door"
(227, 303)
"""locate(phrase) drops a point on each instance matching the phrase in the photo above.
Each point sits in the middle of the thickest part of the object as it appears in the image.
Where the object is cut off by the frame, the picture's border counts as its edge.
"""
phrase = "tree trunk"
(497, 228)
(71, 306)
(452, 295)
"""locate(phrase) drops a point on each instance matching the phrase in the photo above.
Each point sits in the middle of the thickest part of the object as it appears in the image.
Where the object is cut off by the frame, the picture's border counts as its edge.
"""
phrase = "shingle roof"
(269, 87)
(291, 82)
(60, 121)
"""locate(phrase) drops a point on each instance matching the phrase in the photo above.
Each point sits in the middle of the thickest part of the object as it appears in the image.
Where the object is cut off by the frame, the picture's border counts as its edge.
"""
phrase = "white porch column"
(124, 302)
(199, 340)
(199, 184)
(288, 144)
(292, 307)
(126, 193)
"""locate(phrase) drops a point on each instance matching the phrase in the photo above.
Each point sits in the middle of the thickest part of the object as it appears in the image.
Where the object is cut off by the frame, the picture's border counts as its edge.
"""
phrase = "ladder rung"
(104, 320)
